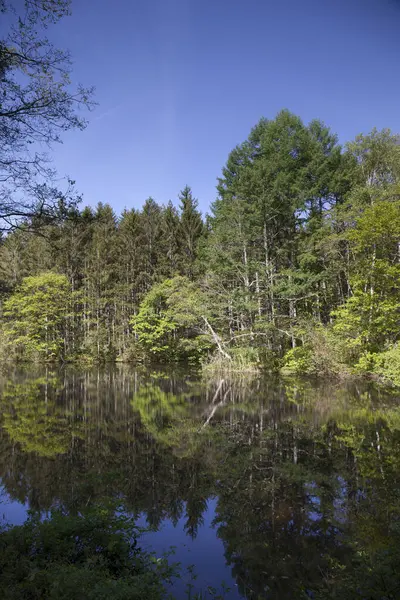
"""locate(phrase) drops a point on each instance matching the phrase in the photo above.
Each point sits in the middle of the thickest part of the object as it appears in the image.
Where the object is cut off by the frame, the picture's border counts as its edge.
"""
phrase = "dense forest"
(297, 265)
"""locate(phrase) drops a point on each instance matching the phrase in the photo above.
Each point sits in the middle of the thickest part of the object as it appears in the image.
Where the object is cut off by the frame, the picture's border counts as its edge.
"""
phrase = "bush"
(387, 365)
(299, 360)
(367, 363)
(322, 353)
(331, 354)
(384, 364)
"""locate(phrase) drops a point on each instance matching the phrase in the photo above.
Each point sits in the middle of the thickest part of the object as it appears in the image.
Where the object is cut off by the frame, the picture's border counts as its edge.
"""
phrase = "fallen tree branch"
(216, 339)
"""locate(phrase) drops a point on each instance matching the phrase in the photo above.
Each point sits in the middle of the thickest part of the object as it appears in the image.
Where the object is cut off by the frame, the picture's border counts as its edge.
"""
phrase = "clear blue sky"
(181, 82)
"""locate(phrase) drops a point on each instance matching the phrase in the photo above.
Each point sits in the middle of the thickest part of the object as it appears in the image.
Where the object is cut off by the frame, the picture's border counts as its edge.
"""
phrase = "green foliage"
(245, 358)
(299, 360)
(37, 316)
(167, 325)
(369, 319)
(321, 353)
(190, 230)
(270, 182)
(91, 556)
(387, 365)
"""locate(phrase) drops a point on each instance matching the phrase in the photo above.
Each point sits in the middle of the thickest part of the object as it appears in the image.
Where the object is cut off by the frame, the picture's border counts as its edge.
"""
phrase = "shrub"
(322, 353)
(387, 365)
(299, 360)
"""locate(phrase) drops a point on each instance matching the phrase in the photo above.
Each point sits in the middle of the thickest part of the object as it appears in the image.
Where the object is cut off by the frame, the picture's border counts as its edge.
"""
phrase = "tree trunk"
(216, 339)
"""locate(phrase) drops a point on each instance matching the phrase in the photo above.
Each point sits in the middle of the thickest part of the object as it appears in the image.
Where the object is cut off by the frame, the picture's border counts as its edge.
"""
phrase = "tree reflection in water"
(305, 474)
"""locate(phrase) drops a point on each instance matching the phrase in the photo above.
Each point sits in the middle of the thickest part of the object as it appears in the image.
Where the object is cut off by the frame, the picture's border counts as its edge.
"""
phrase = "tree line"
(76, 286)
(297, 265)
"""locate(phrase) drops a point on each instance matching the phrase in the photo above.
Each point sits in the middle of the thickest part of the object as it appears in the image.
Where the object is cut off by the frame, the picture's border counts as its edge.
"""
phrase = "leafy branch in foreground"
(38, 104)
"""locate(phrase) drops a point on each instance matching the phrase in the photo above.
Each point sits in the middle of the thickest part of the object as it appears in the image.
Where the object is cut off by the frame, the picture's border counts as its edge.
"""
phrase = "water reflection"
(300, 479)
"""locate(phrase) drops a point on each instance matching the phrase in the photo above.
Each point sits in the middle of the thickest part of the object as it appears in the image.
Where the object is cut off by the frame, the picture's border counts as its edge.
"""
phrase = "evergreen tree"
(151, 235)
(271, 188)
(100, 278)
(191, 229)
(171, 236)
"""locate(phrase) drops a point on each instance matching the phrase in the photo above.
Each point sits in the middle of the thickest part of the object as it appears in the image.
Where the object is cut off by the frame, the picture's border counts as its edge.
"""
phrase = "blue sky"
(181, 82)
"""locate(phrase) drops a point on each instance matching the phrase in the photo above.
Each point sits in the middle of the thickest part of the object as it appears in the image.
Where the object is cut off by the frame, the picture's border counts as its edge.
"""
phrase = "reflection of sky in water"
(339, 503)
(313, 513)
(206, 551)
(339, 513)
(11, 512)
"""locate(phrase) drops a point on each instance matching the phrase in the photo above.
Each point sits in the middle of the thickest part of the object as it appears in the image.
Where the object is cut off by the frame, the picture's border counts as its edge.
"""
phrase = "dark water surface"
(278, 487)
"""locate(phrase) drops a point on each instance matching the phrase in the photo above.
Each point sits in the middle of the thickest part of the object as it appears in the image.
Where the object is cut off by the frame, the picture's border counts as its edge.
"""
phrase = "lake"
(273, 488)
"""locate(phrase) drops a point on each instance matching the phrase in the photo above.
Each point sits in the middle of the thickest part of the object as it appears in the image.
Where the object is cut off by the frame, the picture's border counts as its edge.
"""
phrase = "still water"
(274, 488)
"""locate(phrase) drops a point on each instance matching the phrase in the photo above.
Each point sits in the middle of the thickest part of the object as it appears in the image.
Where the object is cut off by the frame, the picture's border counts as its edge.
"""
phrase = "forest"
(296, 267)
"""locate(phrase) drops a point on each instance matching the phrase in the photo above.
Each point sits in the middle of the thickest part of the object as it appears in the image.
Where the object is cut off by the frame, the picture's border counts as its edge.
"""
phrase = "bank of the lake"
(297, 266)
